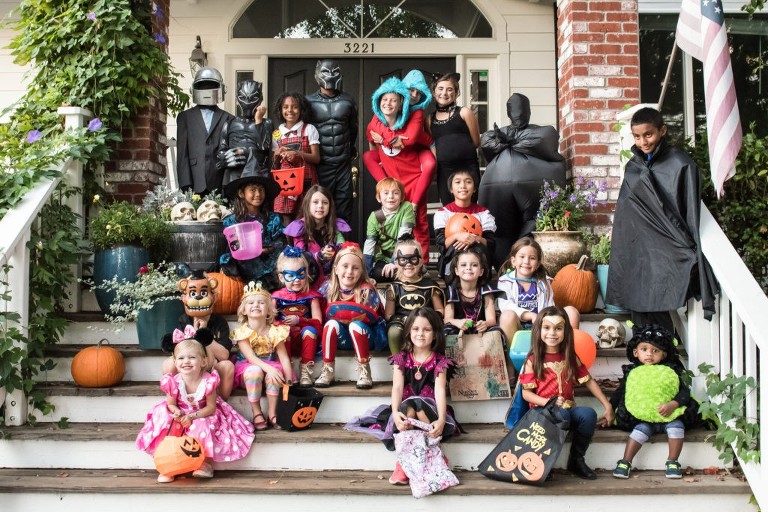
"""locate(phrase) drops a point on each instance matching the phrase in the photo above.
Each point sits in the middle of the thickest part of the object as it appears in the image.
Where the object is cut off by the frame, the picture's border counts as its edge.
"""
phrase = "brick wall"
(139, 160)
(598, 75)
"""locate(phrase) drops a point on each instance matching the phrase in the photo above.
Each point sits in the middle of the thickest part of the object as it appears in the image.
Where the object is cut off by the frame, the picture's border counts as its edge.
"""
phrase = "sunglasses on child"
(404, 259)
(290, 276)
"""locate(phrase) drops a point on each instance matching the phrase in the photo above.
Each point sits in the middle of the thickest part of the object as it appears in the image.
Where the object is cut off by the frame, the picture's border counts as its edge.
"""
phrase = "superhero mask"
(198, 294)
(404, 259)
(328, 74)
(249, 97)
(292, 275)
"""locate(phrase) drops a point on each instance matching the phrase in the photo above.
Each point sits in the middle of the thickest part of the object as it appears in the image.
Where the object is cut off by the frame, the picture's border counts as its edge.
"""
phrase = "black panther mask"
(328, 74)
(248, 97)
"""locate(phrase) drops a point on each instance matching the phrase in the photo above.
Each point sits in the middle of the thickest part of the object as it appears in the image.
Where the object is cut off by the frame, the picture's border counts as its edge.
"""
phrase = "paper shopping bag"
(481, 371)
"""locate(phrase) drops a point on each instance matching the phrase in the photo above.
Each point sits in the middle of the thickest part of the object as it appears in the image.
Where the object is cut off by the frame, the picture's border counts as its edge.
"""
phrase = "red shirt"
(554, 382)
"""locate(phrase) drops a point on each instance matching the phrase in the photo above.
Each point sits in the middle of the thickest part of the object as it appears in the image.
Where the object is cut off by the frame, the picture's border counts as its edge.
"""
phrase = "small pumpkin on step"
(99, 366)
(575, 285)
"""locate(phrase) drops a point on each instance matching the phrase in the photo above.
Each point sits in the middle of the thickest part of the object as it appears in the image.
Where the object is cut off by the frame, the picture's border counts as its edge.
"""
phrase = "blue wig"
(415, 80)
(391, 85)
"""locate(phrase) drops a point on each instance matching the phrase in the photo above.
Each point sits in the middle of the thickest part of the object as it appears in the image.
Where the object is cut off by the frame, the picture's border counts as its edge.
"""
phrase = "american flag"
(701, 33)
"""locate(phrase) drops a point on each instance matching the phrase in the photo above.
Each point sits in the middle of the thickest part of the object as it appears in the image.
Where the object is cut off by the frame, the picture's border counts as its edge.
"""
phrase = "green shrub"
(122, 223)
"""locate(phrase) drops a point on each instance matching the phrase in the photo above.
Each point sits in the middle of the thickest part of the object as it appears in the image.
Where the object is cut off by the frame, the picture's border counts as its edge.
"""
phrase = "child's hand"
(399, 420)
(606, 420)
(328, 252)
(389, 270)
(185, 421)
(258, 115)
(667, 408)
(291, 320)
(481, 326)
(437, 428)
(376, 138)
(560, 401)
(275, 376)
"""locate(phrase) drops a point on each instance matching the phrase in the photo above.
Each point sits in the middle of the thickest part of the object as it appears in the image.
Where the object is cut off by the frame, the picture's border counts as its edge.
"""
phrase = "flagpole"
(668, 75)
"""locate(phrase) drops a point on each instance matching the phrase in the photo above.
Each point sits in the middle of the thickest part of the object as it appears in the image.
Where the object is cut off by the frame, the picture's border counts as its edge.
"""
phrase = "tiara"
(349, 248)
(254, 289)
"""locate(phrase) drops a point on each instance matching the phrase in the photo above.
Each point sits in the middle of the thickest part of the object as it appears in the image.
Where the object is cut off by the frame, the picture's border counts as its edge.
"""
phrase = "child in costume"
(469, 305)
(393, 222)
(462, 185)
(410, 291)
(251, 196)
(318, 232)
(553, 370)
(348, 323)
(652, 398)
(191, 404)
(295, 143)
(396, 139)
(262, 355)
(298, 307)
(198, 296)
(419, 380)
(527, 289)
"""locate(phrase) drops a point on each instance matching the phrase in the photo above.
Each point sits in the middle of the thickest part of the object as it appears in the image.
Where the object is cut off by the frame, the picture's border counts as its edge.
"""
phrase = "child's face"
(445, 93)
(468, 268)
(257, 306)
(415, 96)
(552, 333)
(526, 261)
(409, 261)
(253, 195)
(294, 275)
(647, 136)
(390, 103)
(647, 353)
(422, 333)
(319, 207)
(390, 198)
(189, 361)
(349, 271)
(291, 111)
(462, 187)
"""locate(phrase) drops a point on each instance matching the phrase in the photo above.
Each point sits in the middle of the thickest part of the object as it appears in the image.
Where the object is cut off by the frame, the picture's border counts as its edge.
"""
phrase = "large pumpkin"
(179, 455)
(463, 223)
(576, 286)
(228, 293)
(98, 366)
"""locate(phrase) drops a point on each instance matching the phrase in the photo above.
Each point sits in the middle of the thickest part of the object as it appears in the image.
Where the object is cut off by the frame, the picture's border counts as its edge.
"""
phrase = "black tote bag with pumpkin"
(528, 452)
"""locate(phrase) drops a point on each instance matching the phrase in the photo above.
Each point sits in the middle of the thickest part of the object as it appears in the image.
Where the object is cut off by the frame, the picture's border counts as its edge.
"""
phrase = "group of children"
(321, 292)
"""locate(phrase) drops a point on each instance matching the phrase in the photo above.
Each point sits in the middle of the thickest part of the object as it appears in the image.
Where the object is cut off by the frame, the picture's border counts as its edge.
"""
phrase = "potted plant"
(124, 238)
(601, 255)
(561, 213)
(151, 299)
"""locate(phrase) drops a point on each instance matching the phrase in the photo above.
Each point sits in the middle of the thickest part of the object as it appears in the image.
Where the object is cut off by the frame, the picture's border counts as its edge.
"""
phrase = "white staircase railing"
(736, 340)
(15, 233)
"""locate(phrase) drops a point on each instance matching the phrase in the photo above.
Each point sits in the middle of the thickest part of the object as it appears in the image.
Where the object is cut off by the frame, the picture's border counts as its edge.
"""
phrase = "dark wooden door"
(361, 78)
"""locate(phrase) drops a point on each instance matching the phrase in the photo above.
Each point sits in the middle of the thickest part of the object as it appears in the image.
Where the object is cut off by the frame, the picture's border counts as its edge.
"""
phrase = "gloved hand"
(236, 157)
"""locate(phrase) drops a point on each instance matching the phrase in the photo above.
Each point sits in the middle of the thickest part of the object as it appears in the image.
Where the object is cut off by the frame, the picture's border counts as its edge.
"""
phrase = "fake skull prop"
(610, 333)
(183, 211)
(208, 211)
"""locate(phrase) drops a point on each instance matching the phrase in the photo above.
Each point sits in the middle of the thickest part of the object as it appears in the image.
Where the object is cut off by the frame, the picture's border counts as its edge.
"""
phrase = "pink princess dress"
(225, 434)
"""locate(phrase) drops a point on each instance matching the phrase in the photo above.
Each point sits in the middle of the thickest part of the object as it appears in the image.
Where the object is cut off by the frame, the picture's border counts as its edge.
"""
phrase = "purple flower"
(572, 198)
(603, 186)
(95, 125)
(34, 136)
(92, 16)
(160, 38)
(158, 11)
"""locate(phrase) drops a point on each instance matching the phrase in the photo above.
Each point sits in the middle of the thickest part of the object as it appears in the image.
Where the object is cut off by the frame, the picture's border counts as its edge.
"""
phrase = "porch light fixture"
(198, 58)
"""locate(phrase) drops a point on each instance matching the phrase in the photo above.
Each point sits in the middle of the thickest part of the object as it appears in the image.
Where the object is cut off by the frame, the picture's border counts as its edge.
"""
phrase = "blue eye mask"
(292, 275)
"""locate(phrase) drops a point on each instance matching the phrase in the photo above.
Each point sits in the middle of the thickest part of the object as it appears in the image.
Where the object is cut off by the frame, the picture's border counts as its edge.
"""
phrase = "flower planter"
(122, 262)
(559, 248)
(153, 324)
(198, 244)
(602, 278)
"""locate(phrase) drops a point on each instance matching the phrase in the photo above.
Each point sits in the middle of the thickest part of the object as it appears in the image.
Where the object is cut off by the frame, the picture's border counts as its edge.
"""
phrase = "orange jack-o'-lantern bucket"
(297, 407)
(290, 179)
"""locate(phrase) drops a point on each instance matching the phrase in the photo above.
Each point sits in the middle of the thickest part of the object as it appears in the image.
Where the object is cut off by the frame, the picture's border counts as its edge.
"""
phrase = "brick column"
(139, 160)
(598, 71)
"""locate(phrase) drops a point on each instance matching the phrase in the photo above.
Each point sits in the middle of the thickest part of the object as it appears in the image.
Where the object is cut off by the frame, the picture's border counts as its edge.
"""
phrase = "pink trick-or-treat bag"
(422, 460)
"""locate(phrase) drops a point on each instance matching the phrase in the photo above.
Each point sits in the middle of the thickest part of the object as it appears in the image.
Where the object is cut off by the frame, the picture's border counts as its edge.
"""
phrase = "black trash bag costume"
(520, 157)
(656, 258)
(242, 140)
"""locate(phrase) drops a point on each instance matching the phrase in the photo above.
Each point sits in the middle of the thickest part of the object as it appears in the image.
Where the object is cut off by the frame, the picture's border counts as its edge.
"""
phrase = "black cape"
(656, 260)
(520, 157)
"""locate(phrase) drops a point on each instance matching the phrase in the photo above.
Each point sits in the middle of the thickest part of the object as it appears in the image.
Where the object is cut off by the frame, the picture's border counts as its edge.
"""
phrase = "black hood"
(519, 110)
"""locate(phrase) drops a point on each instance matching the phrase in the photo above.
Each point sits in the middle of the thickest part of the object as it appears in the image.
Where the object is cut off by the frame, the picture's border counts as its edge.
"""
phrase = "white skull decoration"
(183, 211)
(208, 211)
(610, 333)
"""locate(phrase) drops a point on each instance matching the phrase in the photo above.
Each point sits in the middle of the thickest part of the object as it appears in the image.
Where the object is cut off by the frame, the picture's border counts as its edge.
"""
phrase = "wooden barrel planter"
(198, 244)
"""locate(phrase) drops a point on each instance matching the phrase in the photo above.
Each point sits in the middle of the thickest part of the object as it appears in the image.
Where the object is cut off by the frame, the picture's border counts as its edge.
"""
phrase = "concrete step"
(111, 445)
(131, 490)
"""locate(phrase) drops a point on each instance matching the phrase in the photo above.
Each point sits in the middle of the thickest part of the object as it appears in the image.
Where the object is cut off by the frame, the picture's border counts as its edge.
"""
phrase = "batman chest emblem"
(412, 301)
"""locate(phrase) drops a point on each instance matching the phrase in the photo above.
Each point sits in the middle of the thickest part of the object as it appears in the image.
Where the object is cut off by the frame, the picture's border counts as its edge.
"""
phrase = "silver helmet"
(208, 87)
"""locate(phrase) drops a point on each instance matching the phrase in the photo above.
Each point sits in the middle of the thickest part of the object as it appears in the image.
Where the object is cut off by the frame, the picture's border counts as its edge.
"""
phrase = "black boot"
(576, 463)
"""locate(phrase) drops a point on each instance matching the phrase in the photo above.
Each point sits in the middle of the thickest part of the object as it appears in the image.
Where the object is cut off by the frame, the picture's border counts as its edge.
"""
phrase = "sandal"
(260, 425)
(273, 422)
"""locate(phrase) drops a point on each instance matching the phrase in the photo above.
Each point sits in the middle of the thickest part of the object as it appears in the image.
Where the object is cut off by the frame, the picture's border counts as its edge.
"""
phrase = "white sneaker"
(164, 479)
(206, 471)
(307, 370)
(326, 375)
(364, 380)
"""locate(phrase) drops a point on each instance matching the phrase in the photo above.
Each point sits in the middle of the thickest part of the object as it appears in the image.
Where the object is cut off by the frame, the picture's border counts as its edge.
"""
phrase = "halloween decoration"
(179, 455)
(244, 239)
(99, 366)
(290, 180)
(648, 386)
(183, 212)
(528, 452)
(198, 294)
(610, 334)
(576, 286)
(463, 222)
(585, 347)
(209, 211)
(297, 407)
(228, 292)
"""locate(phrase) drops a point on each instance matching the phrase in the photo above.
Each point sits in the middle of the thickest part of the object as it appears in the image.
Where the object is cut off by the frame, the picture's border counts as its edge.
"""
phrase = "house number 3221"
(358, 48)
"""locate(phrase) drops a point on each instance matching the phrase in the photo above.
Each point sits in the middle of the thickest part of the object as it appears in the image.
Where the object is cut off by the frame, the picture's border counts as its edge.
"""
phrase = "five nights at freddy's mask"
(198, 294)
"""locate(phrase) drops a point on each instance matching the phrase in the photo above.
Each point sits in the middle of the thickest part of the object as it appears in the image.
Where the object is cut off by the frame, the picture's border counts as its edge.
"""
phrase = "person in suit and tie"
(199, 133)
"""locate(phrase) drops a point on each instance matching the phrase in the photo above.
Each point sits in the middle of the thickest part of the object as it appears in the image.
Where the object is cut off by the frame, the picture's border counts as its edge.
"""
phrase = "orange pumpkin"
(304, 417)
(179, 455)
(506, 461)
(98, 366)
(228, 293)
(463, 223)
(576, 286)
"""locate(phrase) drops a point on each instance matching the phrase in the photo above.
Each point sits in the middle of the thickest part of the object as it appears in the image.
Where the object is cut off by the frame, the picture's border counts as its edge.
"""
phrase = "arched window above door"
(350, 19)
